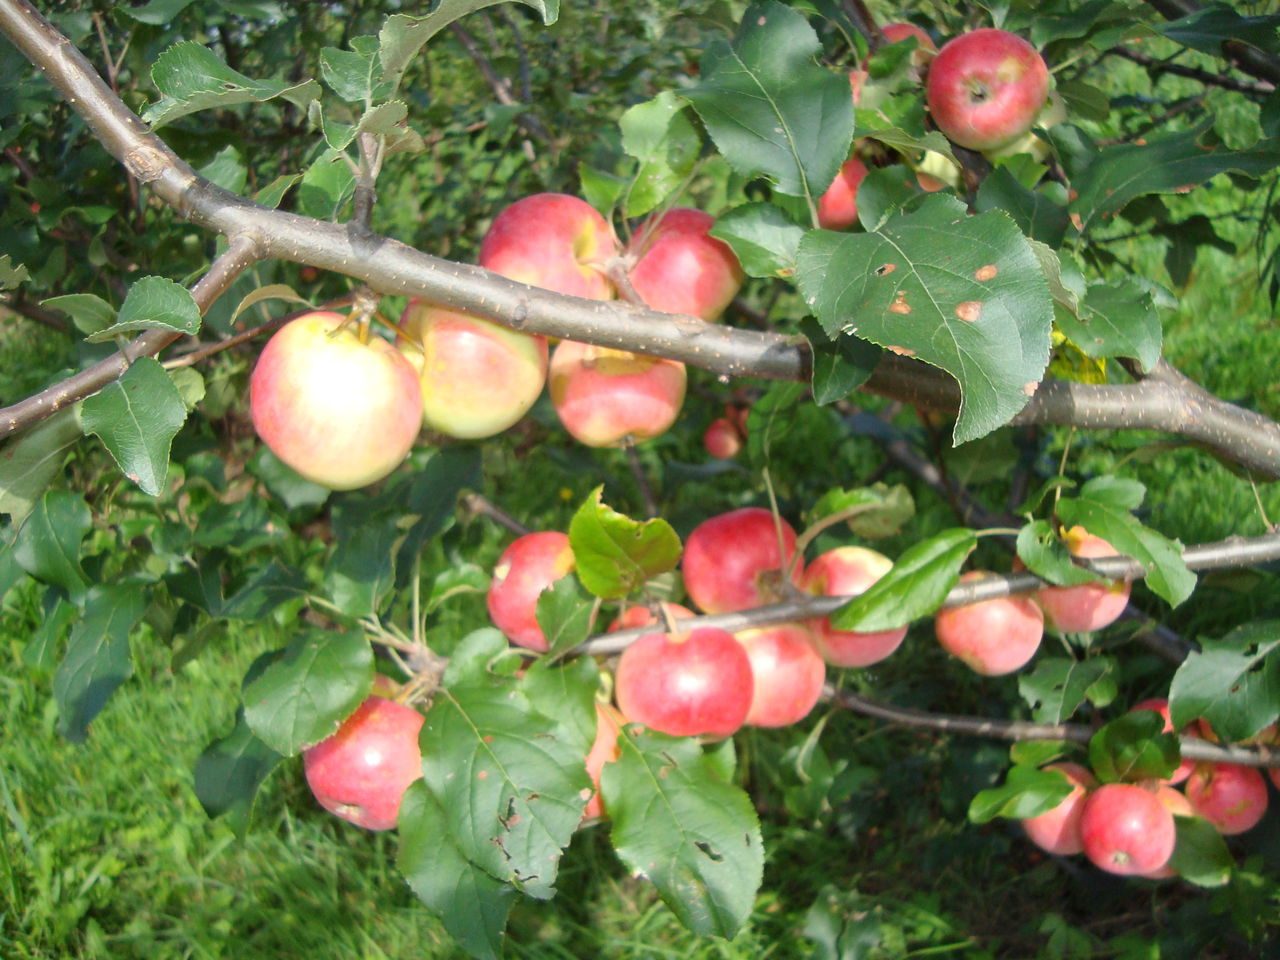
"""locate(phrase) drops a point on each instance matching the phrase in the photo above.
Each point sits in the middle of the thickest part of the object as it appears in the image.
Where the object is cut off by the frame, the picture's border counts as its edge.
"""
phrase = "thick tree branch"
(33, 311)
(391, 267)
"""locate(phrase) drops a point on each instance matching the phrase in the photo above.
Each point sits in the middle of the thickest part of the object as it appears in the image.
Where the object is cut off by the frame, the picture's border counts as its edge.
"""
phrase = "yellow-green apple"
(735, 560)
(1231, 797)
(686, 684)
(361, 772)
(847, 572)
(1126, 830)
(528, 566)
(604, 749)
(1091, 606)
(680, 268)
(1177, 804)
(1057, 831)
(986, 87)
(478, 378)
(787, 674)
(340, 411)
(1161, 706)
(838, 205)
(722, 439)
(604, 396)
(553, 241)
(992, 637)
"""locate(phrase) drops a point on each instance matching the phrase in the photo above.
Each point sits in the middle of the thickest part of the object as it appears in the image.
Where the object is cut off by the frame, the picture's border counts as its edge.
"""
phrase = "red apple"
(787, 673)
(693, 684)
(642, 616)
(553, 241)
(733, 562)
(993, 637)
(361, 772)
(898, 32)
(604, 396)
(340, 412)
(1091, 606)
(1058, 830)
(838, 205)
(1231, 797)
(1177, 804)
(477, 378)
(847, 572)
(528, 566)
(681, 268)
(722, 439)
(604, 749)
(1161, 706)
(986, 87)
(1126, 830)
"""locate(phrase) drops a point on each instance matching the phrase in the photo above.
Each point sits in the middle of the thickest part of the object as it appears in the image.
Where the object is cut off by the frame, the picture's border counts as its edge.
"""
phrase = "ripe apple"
(1091, 606)
(935, 172)
(847, 572)
(1231, 797)
(553, 241)
(689, 684)
(722, 439)
(1126, 830)
(993, 637)
(787, 673)
(681, 268)
(838, 205)
(477, 378)
(528, 566)
(340, 412)
(603, 396)
(1058, 830)
(732, 561)
(361, 772)
(642, 616)
(604, 749)
(894, 33)
(986, 87)
(1177, 804)
(1161, 706)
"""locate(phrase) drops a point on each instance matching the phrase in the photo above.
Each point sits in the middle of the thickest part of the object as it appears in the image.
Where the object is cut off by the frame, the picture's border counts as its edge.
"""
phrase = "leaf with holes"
(615, 555)
(963, 293)
(1233, 682)
(693, 835)
(97, 660)
(1058, 685)
(136, 418)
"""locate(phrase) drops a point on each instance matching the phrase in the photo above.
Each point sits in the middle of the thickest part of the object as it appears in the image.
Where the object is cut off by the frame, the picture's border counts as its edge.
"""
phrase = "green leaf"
(677, 823)
(327, 188)
(565, 691)
(886, 191)
(274, 291)
(41, 651)
(763, 237)
(1026, 792)
(770, 419)
(97, 660)
(229, 773)
(455, 581)
(511, 782)
(1208, 29)
(564, 614)
(915, 586)
(1233, 682)
(1058, 685)
(361, 570)
(1200, 854)
(473, 658)
(157, 12)
(31, 461)
(267, 589)
(471, 904)
(1122, 493)
(286, 484)
(190, 78)
(11, 274)
(1172, 164)
(153, 303)
(1036, 753)
(402, 36)
(615, 555)
(48, 543)
(226, 170)
(274, 192)
(89, 313)
(431, 499)
(963, 293)
(1047, 556)
(354, 75)
(659, 135)
(137, 417)
(1116, 319)
(770, 108)
(304, 695)
(1167, 573)
(841, 364)
(1035, 214)
(1134, 748)
(882, 510)
(601, 190)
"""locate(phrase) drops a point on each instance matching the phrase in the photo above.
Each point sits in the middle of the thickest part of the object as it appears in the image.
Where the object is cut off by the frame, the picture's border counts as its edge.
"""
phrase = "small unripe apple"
(986, 87)
(681, 268)
(787, 673)
(1161, 706)
(340, 412)
(604, 749)
(528, 566)
(722, 439)
(1126, 830)
(361, 772)
(1091, 606)
(1057, 831)
(690, 684)
(553, 241)
(993, 637)
(604, 396)
(838, 205)
(735, 560)
(477, 378)
(1231, 797)
(847, 572)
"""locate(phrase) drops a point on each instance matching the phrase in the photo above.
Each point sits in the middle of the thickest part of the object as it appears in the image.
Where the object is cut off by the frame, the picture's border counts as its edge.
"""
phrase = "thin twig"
(480, 506)
(1156, 67)
(205, 351)
(25, 308)
(499, 85)
(642, 478)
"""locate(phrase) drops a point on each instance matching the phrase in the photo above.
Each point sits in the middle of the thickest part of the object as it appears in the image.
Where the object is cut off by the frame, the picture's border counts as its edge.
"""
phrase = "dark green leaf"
(564, 614)
(1134, 748)
(915, 587)
(48, 544)
(157, 12)
(361, 570)
(31, 461)
(1116, 319)
(355, 74)
(1208, 29)
(474, 657)
(89, 313)
(840, 365)
(1037, 753)
(615, 555)
(601, 190)
(1058, 685)
(764, 238)
(431, 499)
(1035, 214)
(137, 417)
(770, 419)
(326, 188)
(1200, 855)
(885, 191)
(1047, 556)
(229, 773)
(41, 651)
(265, 590)
(226, 170)
(286, 484)
(1233, 682)
(271, 195)
(97, 659)
(1026, 792)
